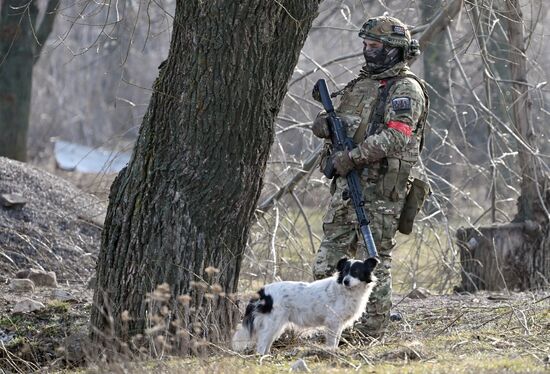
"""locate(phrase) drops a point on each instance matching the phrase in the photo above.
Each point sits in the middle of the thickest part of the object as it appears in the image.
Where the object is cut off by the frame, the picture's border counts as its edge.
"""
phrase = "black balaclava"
(381, 59)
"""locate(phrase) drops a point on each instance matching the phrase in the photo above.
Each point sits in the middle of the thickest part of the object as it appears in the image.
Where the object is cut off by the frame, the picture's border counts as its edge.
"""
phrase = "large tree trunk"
(436, 56)
(185, 201)
(534, 252)
(530, 206)
(21, 40)
(516, 255)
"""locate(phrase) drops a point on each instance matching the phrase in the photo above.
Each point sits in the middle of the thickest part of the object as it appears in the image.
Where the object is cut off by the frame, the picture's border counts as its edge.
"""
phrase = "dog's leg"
(242, 339)
(268, 335)
(332, 336)
(265, 339)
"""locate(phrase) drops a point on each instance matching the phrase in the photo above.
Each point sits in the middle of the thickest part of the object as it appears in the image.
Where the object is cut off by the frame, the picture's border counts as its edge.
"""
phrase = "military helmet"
(390, 31)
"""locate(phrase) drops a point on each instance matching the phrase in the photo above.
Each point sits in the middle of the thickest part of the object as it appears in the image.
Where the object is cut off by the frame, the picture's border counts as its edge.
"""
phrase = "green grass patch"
(58, 306)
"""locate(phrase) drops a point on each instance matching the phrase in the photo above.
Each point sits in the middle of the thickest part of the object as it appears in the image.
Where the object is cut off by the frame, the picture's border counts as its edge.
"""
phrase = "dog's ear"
(340, 265)
(371, 263)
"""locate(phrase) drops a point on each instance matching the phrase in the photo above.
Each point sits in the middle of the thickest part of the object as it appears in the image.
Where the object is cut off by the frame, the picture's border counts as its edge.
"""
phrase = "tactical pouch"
(418, 193)
(393, 181)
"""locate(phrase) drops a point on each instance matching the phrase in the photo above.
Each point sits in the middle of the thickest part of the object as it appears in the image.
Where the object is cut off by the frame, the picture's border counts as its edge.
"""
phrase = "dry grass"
(451, 333)
(485, 332)
(481, 333)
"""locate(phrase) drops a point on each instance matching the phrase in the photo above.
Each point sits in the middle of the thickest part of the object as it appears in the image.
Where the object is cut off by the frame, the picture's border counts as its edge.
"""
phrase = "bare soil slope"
(58, 229)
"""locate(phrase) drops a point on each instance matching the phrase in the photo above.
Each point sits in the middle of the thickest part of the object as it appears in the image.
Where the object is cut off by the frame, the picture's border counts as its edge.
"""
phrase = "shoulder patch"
(401, 104)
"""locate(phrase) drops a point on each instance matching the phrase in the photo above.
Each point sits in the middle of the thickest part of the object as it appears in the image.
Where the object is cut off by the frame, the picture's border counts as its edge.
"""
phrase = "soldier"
(384, 109)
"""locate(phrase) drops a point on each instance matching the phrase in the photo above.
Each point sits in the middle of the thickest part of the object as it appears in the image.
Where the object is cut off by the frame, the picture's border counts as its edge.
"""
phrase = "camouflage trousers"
(342, 238)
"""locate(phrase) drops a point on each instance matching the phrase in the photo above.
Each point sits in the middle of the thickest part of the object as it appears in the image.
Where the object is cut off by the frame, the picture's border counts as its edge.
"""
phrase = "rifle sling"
(377, 115)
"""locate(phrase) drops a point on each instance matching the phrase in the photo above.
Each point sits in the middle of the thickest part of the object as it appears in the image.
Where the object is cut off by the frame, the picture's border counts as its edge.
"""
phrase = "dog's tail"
(243, 337)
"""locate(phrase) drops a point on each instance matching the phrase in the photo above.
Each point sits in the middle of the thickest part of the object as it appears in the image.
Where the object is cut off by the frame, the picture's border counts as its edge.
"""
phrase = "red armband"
(402, 127)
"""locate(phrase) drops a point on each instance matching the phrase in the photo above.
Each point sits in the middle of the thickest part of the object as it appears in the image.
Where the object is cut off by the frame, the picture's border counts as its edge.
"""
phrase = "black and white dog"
(333, 303)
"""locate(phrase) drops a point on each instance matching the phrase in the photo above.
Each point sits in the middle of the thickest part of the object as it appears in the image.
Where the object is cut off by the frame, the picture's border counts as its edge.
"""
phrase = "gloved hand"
(320, 126)
(342, 163)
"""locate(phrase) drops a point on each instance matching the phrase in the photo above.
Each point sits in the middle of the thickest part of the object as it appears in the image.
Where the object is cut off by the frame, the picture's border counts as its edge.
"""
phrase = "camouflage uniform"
(388, 156)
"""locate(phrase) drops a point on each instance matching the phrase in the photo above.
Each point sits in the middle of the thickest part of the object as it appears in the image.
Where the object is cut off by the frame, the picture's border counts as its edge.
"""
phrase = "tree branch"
(310, 162)
(439, 24)
(46, 27)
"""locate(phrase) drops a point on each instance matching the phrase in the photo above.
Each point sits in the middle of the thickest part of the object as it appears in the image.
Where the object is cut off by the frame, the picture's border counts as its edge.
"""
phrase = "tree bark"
(491, 257)
(529, 204)
(436, 56)
(21, 40)
(535, 195)
(185, 201)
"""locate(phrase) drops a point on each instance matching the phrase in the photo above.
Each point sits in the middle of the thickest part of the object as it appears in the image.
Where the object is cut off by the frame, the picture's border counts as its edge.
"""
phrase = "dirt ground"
(58, 230)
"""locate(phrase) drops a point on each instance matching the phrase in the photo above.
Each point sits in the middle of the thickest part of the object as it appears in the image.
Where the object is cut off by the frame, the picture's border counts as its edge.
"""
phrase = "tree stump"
(511, 256)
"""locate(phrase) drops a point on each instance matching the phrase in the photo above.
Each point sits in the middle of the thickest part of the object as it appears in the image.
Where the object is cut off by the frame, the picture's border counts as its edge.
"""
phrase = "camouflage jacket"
(406, 107)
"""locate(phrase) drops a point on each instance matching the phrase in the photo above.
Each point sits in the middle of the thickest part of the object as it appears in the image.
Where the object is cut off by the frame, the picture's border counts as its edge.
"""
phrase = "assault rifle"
(340, 142)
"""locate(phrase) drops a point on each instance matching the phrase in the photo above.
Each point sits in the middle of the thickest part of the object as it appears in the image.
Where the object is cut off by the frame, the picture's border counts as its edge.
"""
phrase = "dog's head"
(354, 272)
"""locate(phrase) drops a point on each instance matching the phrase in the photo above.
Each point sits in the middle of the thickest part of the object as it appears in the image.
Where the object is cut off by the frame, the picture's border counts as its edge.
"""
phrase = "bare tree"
(518, 250)
(436, 56)
(22, 38)
(485, 143)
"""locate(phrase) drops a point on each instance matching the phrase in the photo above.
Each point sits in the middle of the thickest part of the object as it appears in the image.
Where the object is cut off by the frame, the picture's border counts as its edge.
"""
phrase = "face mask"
(380, 59)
